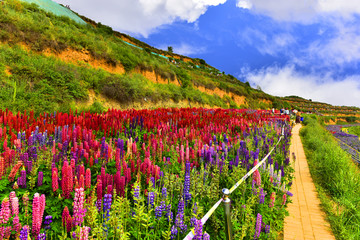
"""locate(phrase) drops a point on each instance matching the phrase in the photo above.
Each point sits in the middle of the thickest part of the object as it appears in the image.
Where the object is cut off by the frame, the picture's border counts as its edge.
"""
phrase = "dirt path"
(306, 220)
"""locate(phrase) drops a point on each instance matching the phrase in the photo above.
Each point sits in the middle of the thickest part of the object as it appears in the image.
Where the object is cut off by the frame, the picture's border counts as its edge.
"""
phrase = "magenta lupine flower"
(5, 212)
(79, 210)
(198, 230)
(258, 226)
(7, 232)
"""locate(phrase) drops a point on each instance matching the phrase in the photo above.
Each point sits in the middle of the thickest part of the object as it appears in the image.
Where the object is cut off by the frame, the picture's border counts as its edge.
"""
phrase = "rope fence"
(226, 200)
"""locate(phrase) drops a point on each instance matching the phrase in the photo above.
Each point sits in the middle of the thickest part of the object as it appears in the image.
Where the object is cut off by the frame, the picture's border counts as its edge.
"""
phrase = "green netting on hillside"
(56, 9)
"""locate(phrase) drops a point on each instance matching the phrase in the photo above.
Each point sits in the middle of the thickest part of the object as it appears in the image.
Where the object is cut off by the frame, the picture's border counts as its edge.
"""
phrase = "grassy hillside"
(50, 63)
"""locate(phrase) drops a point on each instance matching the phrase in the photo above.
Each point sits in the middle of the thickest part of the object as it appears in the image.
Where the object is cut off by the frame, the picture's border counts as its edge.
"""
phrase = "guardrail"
(226, 200)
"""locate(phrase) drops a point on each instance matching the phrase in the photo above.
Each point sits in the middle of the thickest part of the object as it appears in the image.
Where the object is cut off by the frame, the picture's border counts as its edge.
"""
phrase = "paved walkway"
(306, 220)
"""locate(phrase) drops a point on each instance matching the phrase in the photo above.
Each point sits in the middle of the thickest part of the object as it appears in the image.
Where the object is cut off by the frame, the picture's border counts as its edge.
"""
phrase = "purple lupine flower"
(174, 232)
(276, 165)
(24, 232)
(267, 228)
(181, 207)
(164, 192)
(187, 194)
(192, 221)
(107, 203)
(151, 199)
(282, 171)
(159, 210)
(136, 193)
(258, 226)
(40, 178)
(169, 214)
(206, 236)
(198, 230)
(261, 196)
(22, 179)
(254, 190)
(289, 194)
(195, 208)
(47, 222)
(41, 236)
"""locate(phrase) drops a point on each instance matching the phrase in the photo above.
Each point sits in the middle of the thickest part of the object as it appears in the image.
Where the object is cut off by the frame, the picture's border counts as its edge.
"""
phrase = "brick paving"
(306, 220)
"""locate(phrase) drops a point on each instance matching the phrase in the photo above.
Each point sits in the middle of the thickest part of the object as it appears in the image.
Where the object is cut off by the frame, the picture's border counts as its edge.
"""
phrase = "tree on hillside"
(170, 49)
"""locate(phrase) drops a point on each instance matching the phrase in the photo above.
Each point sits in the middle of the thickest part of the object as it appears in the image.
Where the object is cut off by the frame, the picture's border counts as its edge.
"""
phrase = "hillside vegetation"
(50, 63)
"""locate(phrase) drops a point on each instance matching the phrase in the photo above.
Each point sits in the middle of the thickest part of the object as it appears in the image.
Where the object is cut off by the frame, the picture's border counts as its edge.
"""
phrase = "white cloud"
(244, 4)
(184, 49)
(140, 16)
(265, 43)
(287, 81)
(305, 11)
(342, 48)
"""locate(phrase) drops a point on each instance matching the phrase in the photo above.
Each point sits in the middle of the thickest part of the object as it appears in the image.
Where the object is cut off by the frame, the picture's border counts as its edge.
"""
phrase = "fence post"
(227, 214)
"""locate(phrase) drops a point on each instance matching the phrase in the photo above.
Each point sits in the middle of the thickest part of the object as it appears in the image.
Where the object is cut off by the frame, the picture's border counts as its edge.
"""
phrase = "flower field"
(147, 174)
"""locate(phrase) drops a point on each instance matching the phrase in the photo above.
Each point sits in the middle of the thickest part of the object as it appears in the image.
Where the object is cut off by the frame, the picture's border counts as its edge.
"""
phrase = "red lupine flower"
(88, 178)
(66, 219)
(55, 180)
(81, 181)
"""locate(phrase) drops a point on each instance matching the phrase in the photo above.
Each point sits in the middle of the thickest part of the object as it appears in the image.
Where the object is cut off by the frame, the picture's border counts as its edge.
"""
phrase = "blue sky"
(287, 47)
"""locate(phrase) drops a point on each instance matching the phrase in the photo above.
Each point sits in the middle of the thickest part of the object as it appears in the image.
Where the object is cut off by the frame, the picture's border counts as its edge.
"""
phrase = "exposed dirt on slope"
(153, 77)
(73, 56)
(239, 100)
(7, 71)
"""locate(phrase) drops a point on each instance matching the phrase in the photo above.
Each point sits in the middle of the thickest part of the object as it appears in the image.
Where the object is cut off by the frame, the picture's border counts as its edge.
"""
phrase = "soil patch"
(73, 56)
(7, 71)
(239, 100)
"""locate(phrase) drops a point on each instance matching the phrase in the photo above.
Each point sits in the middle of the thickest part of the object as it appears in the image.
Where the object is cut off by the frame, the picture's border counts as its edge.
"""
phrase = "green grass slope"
(34, 76)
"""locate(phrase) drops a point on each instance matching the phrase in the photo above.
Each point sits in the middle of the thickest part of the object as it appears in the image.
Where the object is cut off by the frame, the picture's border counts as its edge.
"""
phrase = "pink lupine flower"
(5, 212)
(14, 205)
(84, 233)
(79, 210)
(272, 200)
(11, 198)
(284, 199)
(36, 224)
(16, 224)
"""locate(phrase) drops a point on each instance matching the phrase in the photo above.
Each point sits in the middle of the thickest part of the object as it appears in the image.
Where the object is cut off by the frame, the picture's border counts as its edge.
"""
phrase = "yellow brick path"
(306, 220)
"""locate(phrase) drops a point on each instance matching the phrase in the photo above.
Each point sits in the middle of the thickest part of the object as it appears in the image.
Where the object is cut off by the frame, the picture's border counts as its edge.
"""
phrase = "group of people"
(293, 113)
